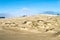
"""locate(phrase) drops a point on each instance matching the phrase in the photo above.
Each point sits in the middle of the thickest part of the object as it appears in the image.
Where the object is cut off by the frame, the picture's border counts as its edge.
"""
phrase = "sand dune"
(30, 28)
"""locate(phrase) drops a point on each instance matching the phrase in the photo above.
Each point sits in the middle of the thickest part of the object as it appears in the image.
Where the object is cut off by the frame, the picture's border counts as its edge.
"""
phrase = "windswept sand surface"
(35, 27)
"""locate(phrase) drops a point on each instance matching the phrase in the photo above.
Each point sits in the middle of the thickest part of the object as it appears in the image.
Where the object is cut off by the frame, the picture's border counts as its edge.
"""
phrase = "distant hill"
(52, 12)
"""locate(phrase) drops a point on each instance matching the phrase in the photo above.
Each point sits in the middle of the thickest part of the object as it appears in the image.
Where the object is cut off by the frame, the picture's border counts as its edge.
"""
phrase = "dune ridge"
(36, 23)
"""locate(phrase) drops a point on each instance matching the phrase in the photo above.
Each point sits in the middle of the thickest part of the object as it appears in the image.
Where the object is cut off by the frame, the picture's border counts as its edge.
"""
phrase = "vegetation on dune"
(41, 23)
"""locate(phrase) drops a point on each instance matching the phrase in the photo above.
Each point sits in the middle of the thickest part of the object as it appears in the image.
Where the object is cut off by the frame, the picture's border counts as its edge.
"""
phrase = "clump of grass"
(35, 25)
(49, 29)
(24, 22)
(58, 33)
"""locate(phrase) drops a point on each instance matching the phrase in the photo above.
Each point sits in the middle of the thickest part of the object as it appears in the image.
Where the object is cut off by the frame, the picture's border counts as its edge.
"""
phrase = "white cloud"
(25, 11)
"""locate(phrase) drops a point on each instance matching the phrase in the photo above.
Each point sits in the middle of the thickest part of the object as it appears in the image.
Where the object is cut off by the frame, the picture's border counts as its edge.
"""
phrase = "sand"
(35, 27)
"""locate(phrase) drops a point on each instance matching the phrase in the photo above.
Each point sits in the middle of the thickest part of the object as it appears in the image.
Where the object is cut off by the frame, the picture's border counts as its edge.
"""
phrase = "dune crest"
(35, 23)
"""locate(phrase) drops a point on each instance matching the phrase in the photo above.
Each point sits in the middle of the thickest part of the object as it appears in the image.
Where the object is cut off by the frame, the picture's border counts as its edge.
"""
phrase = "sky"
(11, 8)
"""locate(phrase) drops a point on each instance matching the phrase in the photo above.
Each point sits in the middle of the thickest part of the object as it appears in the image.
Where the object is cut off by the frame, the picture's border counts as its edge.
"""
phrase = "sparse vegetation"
(41, 23)
(34, 24)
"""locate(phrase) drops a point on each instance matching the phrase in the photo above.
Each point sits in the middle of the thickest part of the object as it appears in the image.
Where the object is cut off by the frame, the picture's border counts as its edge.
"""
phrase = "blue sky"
(27, 7)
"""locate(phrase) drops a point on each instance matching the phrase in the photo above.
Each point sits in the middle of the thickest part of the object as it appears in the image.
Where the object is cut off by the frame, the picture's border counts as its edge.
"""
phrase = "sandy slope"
(35, 27)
